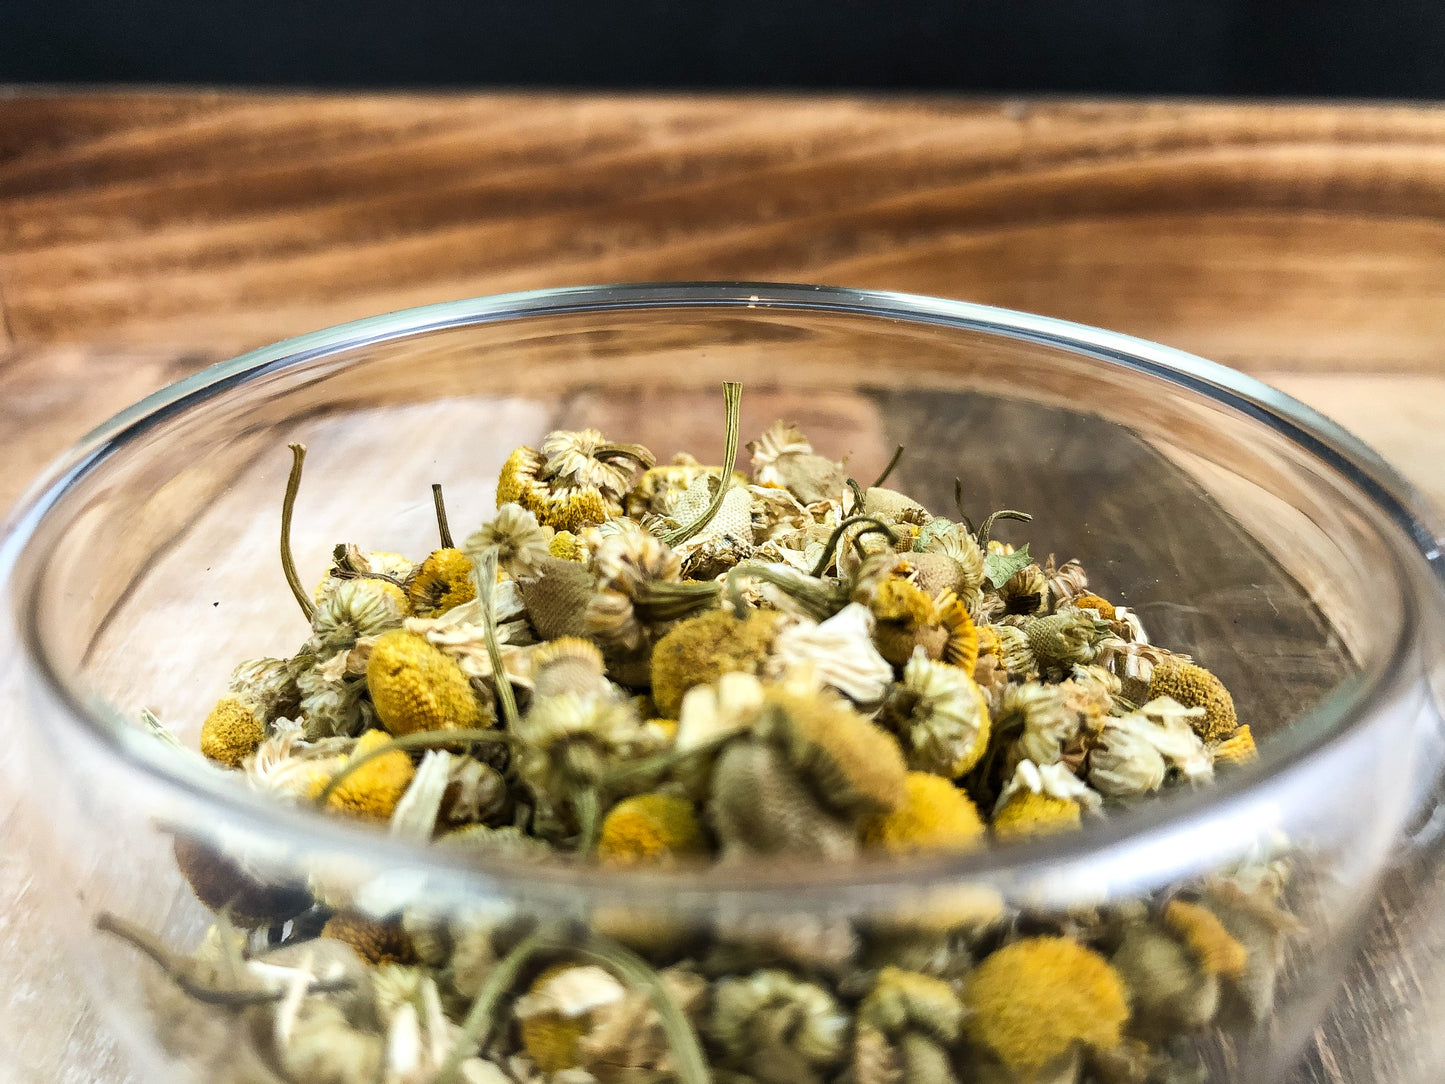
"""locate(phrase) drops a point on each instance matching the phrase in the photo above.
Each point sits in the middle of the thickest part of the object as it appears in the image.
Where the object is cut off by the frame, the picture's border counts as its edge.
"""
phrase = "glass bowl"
(1239, 526)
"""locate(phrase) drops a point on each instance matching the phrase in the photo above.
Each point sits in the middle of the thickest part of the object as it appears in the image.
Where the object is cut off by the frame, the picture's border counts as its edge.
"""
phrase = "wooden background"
(143, 235)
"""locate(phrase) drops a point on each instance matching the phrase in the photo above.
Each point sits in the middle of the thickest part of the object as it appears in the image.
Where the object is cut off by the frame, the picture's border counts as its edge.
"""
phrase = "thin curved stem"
(732, 399)
(1002, 513)
(892, 463)
(288, 506)
(813, 596)
(832, 545)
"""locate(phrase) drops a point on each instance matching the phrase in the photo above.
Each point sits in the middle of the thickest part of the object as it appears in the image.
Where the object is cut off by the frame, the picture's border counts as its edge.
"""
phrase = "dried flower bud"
(1032, 1001)
(903, 1001)
(771, 1017)
(267, 687)
(955, 541)
(522, 544)
(415, 686)
(1168, 990)
(1134, 750)
(701, 649)
(447, 578)
(1217, 952)
(231, 732)
(569, 664)
(940, 716)
(935, 816)
(569, 741)
(567, 546)
(555, 1012)
(1041, 712)
(839, 652)
(354, 608)
(1025, 592)
(1237, 748)
(1195, 687)
(758, 805)
(855, 766)
(782, 456)
(1101, 606)
(1063, 639)
(650, 828)
(584, 457)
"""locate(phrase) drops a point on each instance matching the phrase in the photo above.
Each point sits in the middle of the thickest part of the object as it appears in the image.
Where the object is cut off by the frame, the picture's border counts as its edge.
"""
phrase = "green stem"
(661, 601)
(422, 739)
(589, 816)
(486, 572)
(638, 453)
(443, 528)
(859, 500)
(1002, 513)
(827, 556)
(481, 1017)
(178, 969)
(809, 592)
(690, 1066)
(732, 398)
(897, 455)
(288, 505)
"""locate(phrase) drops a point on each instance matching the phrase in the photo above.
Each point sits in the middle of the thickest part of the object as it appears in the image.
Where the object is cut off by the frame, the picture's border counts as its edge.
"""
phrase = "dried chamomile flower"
(1067, 581)
(1063, 640)
(1032, 1002)
(854, 765)
(701, 649)
(287, 766)
(782, 456)
(1014, 651)
(1133, 752)
(569, 665)
(522, 544)
(759, 806)
(650, 829)
(1198, 927)
(568, 742)
(375, 942)
(711, 712)
(446, 579)
(556, 1012)
(1237, 748)
(416, 686)
(373, 790)
(1169, 992)
(267, 687)
(660, 485)
(905, 1028)
(940, 715)
(583, 458)
(1025, 592)
(1253, 918)
(954, 541)
(839, 652)
(1042, 716)
(1195, 687)
(626, 1036)
(231, 732)
(356, 608)
(725, 539)
(1042, 800)
(935, 816)
(776, 1027)
(908, 619)
(778, 515)
(567, 546)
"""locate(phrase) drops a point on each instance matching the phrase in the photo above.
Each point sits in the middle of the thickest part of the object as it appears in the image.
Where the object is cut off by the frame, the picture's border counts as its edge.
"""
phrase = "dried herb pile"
(684, 664)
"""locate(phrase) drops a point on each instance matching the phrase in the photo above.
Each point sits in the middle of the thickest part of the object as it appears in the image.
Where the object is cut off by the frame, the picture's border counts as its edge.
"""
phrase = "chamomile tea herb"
(649, 666)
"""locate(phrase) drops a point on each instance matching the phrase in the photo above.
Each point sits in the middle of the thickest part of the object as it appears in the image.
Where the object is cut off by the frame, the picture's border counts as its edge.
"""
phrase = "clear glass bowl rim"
(1141, 830)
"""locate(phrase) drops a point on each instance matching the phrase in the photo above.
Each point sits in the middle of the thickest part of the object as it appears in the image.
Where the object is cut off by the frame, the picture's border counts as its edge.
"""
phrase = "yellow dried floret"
(901, 600)
(445, 579)
(1218, 953)
(1238, 748)
(1032, 1001)
(231, 732)
(517, 483)
(962, 647)
(1029, 813)
(935, 816)
(373, 790)
(1195, 687)
(574, 509)
(567, 546)
(701, 649)
(1094, 602)
(415, 686)
(650, 828)
(375, 942)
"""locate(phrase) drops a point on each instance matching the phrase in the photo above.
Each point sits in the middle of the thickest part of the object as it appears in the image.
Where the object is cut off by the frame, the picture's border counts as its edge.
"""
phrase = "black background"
(1386, 48)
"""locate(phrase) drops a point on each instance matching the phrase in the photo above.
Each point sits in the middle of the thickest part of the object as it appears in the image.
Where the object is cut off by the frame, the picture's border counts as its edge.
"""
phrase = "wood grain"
(1289, 236)
(143, 235)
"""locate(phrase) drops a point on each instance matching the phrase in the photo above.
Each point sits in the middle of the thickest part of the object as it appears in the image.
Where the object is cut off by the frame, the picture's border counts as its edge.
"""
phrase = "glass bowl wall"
(1240, 529)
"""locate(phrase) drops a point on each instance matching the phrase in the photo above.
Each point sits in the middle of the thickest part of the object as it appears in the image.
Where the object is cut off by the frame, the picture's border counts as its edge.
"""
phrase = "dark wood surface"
(143, 235)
